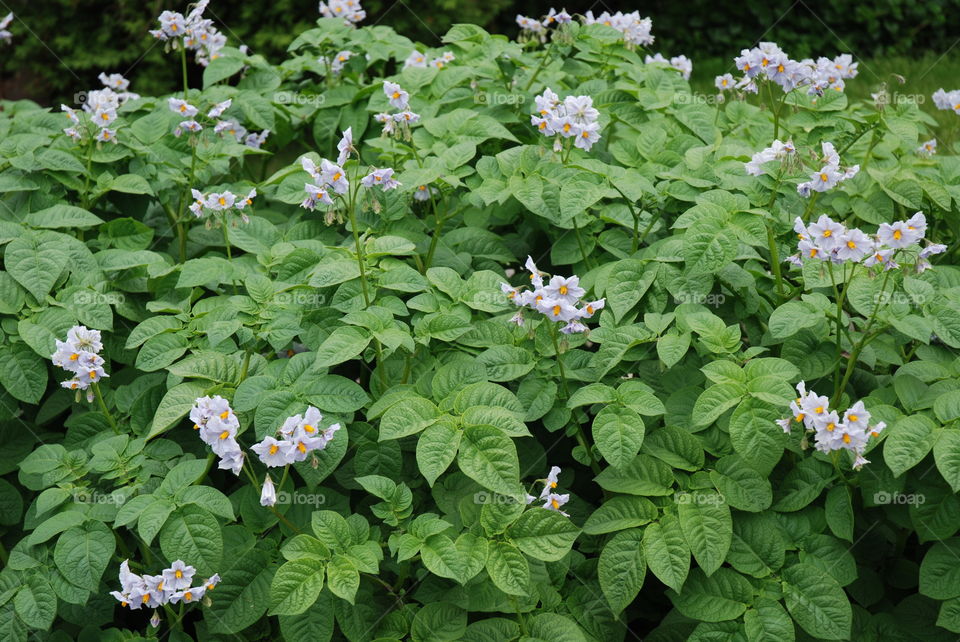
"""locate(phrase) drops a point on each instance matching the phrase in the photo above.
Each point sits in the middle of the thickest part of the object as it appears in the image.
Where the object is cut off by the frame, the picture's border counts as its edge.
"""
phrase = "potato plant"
(512, 338)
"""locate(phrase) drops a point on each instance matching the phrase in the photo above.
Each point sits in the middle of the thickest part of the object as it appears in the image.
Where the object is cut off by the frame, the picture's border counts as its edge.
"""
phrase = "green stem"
(103, 406)
(858, 348)
(436, 236)
(245, 366)
(813, 201)
(581, 435)
(543, 63)
(183, 65)
(583, 250)
(360, 257)
(226, 241)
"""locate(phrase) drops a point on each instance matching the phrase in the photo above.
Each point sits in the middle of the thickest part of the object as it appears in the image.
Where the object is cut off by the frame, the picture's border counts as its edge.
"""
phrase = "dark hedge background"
(61, 45)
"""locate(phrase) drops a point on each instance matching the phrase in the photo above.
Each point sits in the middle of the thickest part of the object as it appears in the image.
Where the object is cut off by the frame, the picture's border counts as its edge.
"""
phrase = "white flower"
(334, 176)
(217, 110)
(182, 107)
(396, 96)
(382, 178)
(268, 496)
(274, 452)
(928, 148)
(220, 201)
(564, 289)
(724, 82)
(415, 59)
(345, 146)
(178, 576)
(107, 136)
(553, 501)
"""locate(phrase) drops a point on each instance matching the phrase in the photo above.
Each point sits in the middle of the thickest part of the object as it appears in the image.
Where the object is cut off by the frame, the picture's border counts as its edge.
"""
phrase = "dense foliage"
(50, 59)
(537, 382)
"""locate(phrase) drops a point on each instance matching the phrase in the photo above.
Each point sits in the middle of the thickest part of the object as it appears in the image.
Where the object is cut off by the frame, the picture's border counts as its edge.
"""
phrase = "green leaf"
(160, 351)
(939, 571)
(343, 578)
(83, 552)
(908, 441)
(489, 457)
(722, 596)
(619, 513)
(436, 449)
(438, 622)
(343, 344)
(543, 534)
(666, 551)
(618, 434)
(296, 586)
(62, 216)
(508, 568)
(243, 594)
(22, 375)
(36, 602)
(838, 509)
(716, 400)
(707, 527)
(175, 405)
(816, 602)
(407, 417)
(621, 569)
(193, 533)
(35, 261)
(766, 619)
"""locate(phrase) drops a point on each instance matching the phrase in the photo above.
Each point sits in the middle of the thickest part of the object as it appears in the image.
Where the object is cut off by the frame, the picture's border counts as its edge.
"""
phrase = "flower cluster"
(828, 176)
(79, 354)
(192, 32)
(398, 123)
(777, 151)
(573, 117)
(531, 29)
(337, 62)
(828, 240)
(550, 499)
(119, 84)
(173, 585)
(300, 435)
(5, 35)
(349, 10)
(635, 30)
(947, 100)
(418, 59)
(850, 430)
(102, 106)
(218, 427)
(221, 202)
(928, 148)
(556, 300)
(681, 63)
(190, 124)
(769, 61)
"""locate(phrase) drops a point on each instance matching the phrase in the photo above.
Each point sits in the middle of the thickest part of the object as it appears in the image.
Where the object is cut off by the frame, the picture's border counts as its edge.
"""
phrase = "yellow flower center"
(800, 417)
(853, 418)
(563, 289)
(556, 310)
(224, 434)
(396, 95)
(589, 309)
(188, 596)
(309, 428)
(818, 410)
(824, 178)
(178, 574)
(225, 414)
(846, 438)
(223, 201)
(74, 356)
(851, 245)
(273, 449)
(897, 234)
(302, 447)
(555, 504)
(831, 426)
(146, 598)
